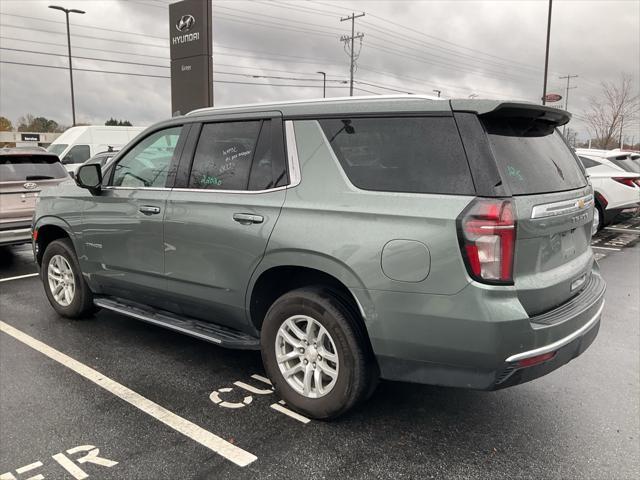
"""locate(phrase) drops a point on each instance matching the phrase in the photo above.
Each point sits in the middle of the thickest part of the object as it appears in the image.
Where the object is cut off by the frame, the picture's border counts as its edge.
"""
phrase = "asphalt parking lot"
(110, 397)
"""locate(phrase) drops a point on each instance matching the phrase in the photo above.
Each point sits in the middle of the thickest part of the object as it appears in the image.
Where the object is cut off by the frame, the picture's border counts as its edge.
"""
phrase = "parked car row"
(408, 238)
(615, 180)
(347, 239)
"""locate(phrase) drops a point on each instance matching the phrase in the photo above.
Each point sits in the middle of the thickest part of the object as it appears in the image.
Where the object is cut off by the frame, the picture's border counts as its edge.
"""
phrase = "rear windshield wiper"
(39, 177)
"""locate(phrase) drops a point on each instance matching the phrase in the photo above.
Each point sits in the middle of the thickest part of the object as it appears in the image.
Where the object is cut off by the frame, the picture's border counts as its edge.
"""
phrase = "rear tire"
(335, 333)
(64, 285)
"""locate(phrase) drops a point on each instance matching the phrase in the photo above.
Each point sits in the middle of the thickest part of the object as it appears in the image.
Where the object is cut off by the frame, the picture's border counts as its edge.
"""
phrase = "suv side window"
(147, 164)
(401, 154)
(223, 156)
(237, 156)
(77, 154)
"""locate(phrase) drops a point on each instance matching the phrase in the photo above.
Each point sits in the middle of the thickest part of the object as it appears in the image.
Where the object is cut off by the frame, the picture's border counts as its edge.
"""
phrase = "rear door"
(219, 219)
(554, 207)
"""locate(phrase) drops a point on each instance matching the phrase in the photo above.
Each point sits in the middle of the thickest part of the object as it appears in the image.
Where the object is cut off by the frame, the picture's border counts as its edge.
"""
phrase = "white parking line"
(8, 279)
(606, 248)
(279, 407)
(229, 451)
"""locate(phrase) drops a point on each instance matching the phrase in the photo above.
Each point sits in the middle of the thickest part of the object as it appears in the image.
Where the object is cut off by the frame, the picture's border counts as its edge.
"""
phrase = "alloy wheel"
(62, 282)
(307, 356)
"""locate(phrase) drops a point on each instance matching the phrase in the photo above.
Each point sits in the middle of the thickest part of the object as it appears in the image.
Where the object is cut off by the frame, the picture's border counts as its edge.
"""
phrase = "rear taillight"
(487, 235)
(629, 182)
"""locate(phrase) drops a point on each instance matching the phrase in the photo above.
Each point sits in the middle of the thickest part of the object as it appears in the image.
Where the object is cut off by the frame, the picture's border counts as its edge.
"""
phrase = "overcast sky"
(494, 49)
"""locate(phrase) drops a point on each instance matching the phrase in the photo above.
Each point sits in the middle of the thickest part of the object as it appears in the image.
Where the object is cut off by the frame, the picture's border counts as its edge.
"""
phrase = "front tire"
(315, 353)
(64, 285)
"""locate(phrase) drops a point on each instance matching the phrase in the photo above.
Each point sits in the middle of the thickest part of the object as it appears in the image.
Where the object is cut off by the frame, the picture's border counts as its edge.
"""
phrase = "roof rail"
(317, 100)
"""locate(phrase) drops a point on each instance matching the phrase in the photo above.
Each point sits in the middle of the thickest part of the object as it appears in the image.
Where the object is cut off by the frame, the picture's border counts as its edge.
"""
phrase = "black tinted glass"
(532, 156)
(629, 164)
(21, 168)
(223, 157)
(147, 164)
(588, 163)
(77, 154)
(413, 154)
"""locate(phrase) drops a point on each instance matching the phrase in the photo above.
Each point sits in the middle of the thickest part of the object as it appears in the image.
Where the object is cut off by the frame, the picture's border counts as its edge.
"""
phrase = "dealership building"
(27, 139)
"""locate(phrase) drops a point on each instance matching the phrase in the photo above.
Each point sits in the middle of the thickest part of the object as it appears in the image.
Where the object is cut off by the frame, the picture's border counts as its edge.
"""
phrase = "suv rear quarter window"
(401, 154)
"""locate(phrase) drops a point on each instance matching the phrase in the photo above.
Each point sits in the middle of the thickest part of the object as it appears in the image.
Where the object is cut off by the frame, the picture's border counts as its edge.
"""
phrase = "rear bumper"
(484, 338)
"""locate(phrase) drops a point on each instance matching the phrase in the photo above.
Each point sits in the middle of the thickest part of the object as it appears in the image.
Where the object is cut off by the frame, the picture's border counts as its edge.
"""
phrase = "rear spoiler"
(498, 109)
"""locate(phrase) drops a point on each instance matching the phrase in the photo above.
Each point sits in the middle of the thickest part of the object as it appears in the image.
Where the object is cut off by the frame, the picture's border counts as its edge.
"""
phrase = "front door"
(217, 226)
(122, 226)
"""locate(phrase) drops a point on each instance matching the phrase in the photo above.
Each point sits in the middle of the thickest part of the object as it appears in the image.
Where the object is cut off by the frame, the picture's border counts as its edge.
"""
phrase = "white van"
(77, 144)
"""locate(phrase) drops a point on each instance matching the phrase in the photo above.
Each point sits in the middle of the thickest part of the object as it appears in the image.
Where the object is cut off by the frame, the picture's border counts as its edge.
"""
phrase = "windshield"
(57, 148)
(532, 156)
(21, 168)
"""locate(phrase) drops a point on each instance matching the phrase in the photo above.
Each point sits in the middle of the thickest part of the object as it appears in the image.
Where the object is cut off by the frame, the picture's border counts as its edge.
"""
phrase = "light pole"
(67, 11)
(546, 55)
(324, 84)
(438, 92)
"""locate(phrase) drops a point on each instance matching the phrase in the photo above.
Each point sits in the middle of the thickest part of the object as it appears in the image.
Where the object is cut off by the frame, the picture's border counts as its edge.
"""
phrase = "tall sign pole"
(191, 44)
(546, 56)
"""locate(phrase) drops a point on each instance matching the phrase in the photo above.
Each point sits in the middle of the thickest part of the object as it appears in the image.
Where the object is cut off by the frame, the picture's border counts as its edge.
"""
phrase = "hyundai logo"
(30, 185)
(185, 23)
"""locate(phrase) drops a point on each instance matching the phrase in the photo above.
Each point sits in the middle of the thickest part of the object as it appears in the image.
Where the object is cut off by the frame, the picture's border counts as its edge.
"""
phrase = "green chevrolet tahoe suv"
(407, 238)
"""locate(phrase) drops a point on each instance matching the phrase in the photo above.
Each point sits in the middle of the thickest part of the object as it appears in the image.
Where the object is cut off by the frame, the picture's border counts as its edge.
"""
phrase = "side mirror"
(89, 177)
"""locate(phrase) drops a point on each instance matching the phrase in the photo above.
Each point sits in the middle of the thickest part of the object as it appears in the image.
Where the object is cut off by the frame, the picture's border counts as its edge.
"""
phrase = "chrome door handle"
(247, 218)
(149, 210)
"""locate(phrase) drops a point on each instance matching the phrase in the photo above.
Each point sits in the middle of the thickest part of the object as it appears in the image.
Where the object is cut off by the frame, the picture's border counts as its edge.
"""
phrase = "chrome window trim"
(561, 208)
(292, 162)
(560, 343)
(111, 187)
(292, 154)
(205, 190)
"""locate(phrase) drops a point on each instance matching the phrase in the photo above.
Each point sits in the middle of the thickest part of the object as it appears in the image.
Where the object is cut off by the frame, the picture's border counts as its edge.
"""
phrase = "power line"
(165, 76)
(164, 57)
(84, 58)
(251, 75)
(92, 27)
(128, 42)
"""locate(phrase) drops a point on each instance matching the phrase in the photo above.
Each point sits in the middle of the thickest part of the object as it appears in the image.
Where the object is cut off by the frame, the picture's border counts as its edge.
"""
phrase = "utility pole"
(566, 95)
(546, 56)
(438, 92)
(352, 38)
(324, 84)
(67, 11)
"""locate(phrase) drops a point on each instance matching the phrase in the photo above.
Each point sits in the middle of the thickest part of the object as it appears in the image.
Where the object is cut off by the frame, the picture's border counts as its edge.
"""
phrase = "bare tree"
(619, 103)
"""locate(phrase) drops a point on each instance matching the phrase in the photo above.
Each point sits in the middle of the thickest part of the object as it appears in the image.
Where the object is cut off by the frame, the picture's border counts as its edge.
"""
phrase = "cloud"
(489, 48)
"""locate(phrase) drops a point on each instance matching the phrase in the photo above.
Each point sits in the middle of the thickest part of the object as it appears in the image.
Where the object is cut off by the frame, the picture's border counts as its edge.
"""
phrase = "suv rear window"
(21, 168)
(401, 154)
(532, 156)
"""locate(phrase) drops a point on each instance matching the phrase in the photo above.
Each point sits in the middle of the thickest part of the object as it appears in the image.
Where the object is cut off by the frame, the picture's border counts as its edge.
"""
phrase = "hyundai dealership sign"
(191, 40)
